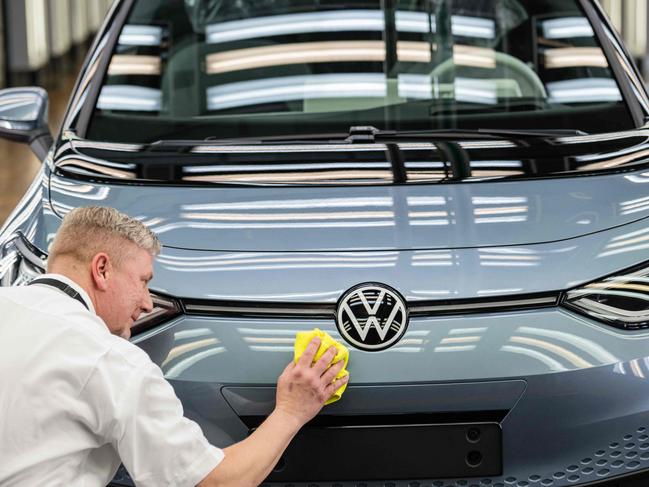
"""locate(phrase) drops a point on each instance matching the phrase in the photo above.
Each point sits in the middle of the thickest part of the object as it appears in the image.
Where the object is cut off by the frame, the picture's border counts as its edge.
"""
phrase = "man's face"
(127, 295)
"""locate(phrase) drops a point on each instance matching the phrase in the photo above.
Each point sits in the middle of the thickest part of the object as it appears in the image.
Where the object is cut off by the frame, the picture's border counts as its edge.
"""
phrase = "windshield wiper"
(365, 134)
(371, 134)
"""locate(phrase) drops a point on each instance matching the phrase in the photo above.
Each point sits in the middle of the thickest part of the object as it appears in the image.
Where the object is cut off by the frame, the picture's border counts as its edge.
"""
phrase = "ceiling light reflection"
(638, 178)
(341, 51)
(460, 339)
(290, 148)
(628, 242)
(592, 348)
(95, 168)
(185, 348)
(584, 90)
(551, 363)
(140, 35)
(83, 191)
(636, 369)
(487, 144)
(176, 371)
(567, 28)
(353, 20)
(274, 261)
(288, 88)
(130, 98)
(274, 25)
(464, 331)
(312, 177)
(451, 349)
(572, 57)
(192, 333)
(298, 53)
(428, 292)
(426, 200)
(253, 167)
(345, 85)
(257, 217)
(128, 65)
(433, 259)
(352, 202)
(491, 292)
(566, 354)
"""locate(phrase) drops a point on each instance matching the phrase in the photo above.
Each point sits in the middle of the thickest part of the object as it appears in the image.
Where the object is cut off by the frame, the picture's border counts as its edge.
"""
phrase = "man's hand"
(303, 387)
(302, 390)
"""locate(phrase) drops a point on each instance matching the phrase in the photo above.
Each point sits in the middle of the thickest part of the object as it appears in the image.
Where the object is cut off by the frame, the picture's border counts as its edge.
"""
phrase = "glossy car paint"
(573, 391)
(511, 205)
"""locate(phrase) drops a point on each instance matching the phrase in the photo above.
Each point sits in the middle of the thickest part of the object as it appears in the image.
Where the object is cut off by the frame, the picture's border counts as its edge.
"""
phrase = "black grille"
(328, 311)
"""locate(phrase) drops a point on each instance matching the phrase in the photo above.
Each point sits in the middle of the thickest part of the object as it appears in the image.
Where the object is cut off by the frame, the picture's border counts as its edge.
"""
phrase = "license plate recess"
(395, 452)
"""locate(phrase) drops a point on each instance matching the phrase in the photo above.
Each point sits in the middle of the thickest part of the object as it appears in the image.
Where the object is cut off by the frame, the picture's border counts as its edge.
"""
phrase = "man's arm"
(302, 390)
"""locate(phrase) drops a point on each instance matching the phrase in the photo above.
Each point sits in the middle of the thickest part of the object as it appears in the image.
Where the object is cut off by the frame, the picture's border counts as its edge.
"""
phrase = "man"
(76, 397)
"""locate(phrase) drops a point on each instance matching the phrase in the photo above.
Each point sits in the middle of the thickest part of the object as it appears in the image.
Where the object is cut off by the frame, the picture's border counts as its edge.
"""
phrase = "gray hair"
(88, 230)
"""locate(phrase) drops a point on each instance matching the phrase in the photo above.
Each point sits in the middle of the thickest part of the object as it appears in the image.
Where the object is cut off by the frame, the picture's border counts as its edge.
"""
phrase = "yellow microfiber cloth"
(303, 338)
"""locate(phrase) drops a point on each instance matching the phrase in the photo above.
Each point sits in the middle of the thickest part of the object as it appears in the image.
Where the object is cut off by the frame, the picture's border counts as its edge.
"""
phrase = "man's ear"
(101, 270)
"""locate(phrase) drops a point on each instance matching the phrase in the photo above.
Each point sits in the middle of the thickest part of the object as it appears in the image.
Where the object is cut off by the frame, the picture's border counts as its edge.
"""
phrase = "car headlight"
(164, 309)
(621, 300)
(21, 261)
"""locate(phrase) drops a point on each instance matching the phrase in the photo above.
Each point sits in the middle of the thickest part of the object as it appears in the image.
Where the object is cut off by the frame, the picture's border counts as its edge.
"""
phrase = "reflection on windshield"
(308, 67)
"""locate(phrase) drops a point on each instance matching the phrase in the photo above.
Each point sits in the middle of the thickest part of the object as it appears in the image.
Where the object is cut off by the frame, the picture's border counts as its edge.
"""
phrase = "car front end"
(455, 190)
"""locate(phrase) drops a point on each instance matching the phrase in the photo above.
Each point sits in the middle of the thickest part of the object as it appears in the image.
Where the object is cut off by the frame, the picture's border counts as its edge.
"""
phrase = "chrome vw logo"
(372, 316)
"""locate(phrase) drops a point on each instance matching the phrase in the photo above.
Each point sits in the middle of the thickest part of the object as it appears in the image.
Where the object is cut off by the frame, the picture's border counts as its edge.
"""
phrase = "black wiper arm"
(317, 138)
(382, 135)
(535, 132)
(366, 134)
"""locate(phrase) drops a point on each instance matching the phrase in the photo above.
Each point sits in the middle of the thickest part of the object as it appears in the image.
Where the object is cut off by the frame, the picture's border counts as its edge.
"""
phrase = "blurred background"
(631, 18)
(43, 42)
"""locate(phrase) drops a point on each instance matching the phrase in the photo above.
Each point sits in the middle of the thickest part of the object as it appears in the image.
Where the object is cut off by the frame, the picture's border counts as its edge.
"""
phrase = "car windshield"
(218, 69)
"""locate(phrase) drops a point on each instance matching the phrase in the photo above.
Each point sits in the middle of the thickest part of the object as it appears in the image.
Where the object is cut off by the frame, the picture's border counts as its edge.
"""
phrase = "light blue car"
(457, 190)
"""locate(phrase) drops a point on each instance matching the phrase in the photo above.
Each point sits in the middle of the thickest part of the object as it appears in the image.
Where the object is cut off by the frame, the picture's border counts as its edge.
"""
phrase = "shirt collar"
(75, 286)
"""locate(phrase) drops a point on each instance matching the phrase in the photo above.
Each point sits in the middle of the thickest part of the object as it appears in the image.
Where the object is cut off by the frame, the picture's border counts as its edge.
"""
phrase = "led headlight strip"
(164, 309)
(621, 301)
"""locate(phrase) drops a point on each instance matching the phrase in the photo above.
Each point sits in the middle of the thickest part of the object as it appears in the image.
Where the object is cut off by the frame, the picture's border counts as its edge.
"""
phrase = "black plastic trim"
(393, 452)
(328, 311)
(256, 309)
(484, 305)
(342, 421)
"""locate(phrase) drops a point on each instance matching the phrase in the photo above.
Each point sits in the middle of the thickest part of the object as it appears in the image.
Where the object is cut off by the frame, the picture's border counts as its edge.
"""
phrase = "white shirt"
(74, 400)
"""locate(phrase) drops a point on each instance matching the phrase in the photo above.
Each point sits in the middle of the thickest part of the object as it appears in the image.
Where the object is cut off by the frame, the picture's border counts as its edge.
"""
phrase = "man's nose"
(147, 302)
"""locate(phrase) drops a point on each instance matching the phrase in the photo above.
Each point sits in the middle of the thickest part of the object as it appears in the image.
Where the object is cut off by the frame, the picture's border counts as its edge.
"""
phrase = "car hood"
(469, 213)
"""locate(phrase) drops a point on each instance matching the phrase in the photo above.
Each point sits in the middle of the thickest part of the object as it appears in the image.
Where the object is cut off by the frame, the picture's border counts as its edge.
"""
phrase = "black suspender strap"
(60, 286)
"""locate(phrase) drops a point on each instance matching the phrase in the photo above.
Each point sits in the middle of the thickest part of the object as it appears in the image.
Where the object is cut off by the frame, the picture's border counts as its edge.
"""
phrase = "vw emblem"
(372, 316)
